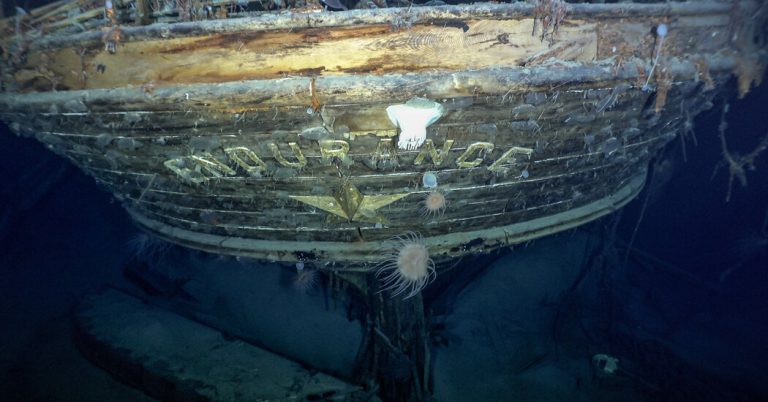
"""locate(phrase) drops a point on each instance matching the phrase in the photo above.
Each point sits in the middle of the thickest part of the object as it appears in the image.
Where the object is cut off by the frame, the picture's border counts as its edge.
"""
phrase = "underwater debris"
(612, 98)
(605, 364)
(703, 74)
(749, 72)
(736, 164)
(112, 34)
(686, 129)
(663, 85)
(548, 14)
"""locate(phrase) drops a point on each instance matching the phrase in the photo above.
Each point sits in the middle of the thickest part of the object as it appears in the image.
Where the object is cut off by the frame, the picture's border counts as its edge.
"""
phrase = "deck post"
(400, 346)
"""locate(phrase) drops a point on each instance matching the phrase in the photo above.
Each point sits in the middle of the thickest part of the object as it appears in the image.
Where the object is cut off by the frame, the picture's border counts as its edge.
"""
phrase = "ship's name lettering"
(202, 167)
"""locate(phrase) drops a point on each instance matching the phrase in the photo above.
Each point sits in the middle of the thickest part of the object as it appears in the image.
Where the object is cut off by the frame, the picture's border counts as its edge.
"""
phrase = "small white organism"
(434, 204)
(429, 180)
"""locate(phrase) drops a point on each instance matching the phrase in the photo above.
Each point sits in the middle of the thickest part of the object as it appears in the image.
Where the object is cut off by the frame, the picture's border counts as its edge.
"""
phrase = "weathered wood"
(341, 90)
(266, 47)
(400, 346)
(565, 163)
(272, 136)
(354, 254)
(405, 16)
(248, 55)
(238, 207)
(143, 12)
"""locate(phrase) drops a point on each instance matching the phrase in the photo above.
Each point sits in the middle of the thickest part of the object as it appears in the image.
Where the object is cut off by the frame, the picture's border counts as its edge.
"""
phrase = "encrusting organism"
(735, 163)
(407, 268)
(434, 204)
(429, 180)
(305, 279)
(146, 248)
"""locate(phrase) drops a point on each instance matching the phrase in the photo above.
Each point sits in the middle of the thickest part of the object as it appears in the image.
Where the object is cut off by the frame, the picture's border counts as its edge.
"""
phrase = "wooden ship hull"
(351, 141)
(271, 136)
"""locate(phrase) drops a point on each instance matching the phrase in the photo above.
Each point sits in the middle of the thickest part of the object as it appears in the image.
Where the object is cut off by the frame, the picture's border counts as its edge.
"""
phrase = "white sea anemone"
(413, 118)
(407, 268)
(305, 279)
(146, 248)
(434, 204)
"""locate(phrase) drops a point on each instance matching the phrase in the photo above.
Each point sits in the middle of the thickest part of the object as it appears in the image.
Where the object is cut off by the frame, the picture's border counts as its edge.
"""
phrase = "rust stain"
(272, 41)
(219, 41)
(364, 69)
(447, 23)
(313, 94)
(316, 35)
(306, 72)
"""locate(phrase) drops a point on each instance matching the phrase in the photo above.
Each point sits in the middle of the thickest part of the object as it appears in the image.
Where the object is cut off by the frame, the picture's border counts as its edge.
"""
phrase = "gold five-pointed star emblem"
(350, 204)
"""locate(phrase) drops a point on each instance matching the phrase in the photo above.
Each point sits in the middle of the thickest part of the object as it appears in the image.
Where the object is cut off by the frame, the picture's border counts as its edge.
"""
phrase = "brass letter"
(301, 161)
(509, 157)
(429, 149)
(242, 156)
(481, 148)
(206, 163)
(210, 164)
(176, 165)
(385, 151)
(333, 148)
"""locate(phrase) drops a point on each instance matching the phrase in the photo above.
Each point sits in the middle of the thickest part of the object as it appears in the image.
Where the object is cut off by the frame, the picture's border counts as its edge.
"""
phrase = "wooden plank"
(184, 360)
(243, 51)
(267, 55)
(582, 129)
(562, 171)
(403, 17)
(340, 90)
(353, 254)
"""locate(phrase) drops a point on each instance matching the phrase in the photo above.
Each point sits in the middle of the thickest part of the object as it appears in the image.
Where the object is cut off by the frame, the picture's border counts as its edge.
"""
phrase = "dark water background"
(61, 236)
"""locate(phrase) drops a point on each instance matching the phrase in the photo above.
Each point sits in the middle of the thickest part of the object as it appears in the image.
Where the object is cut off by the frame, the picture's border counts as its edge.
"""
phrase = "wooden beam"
(398, 18)
(143, 12)
(344, 89)
(310, 52)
